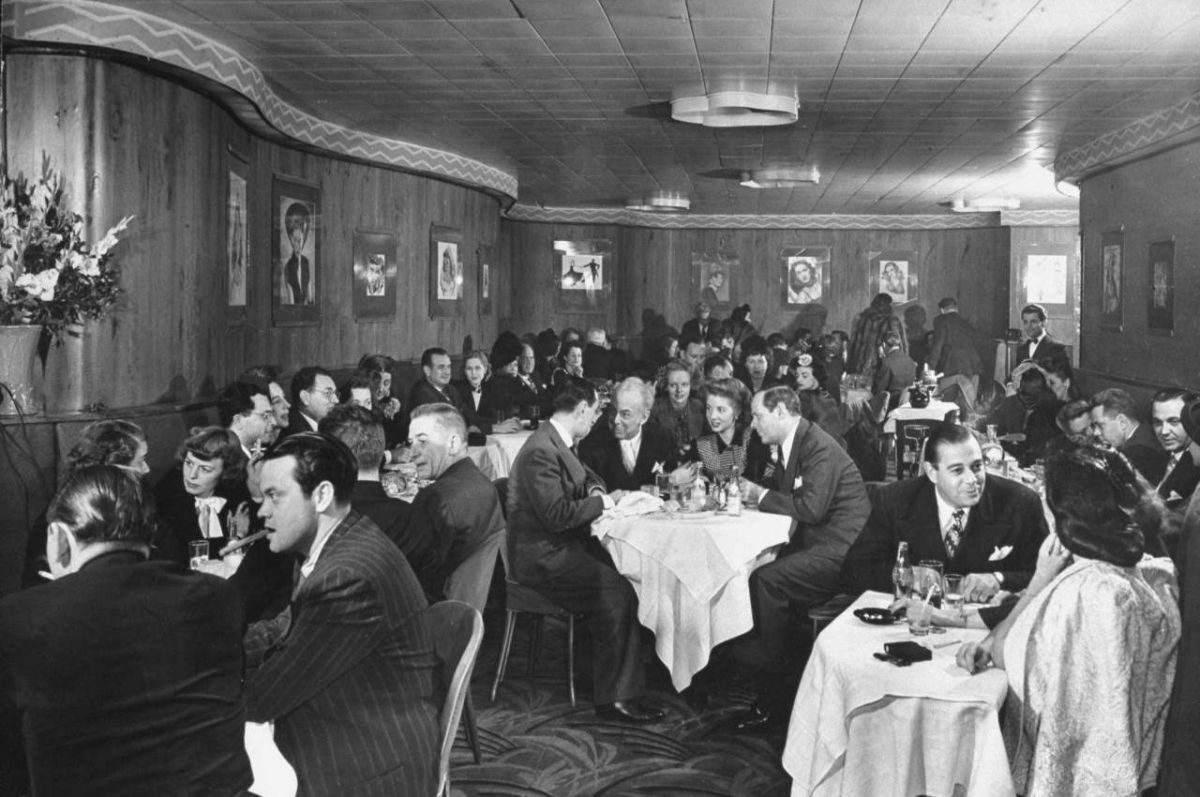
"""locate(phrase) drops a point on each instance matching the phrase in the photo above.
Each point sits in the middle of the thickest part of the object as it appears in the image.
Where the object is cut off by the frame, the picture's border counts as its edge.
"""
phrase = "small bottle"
(993, 452)
(733, 498)
(902, 573)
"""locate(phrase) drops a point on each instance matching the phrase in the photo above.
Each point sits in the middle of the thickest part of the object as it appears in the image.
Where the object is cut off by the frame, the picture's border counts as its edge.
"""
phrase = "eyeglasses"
(329, 393)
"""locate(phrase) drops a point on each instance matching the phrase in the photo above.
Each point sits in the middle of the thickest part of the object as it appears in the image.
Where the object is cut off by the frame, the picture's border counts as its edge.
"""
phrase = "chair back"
(459, 631)
(877, 407)
(471, 580)
(910, 445)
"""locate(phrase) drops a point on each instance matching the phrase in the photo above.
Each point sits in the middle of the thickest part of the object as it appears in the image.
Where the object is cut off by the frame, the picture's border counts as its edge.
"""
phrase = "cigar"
(242, 543)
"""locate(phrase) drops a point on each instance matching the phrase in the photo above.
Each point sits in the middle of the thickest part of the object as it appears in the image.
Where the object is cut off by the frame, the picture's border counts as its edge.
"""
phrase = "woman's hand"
(1053, 558)
(239, 521)
(975, 657)
(685, 474)
(390, 407)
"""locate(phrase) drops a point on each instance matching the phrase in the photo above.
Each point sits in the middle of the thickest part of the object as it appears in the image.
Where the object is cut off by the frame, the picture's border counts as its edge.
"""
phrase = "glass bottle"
(993, 452)
(902, 573)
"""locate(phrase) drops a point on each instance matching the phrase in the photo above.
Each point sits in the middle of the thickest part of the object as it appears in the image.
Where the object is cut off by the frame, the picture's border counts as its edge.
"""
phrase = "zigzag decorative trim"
(88, 23)
(1134, 139)
(830, 221)
(1039, 218)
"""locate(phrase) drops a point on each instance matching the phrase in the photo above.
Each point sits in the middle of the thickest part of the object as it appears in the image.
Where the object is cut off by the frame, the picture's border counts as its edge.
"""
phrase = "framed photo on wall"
(445, 271)
(894, 273)
(486, 277)
(714, 271)
(1160, 312)
(1112, 280)
(295, 273)
(805, 272)
(373, 272)
(583, 270)
(237, 246)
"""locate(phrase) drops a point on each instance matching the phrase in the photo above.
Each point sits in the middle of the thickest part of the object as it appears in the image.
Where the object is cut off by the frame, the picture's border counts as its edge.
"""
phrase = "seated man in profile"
(1115, 422)
(986, 527)
(347, 672)
(128, 671)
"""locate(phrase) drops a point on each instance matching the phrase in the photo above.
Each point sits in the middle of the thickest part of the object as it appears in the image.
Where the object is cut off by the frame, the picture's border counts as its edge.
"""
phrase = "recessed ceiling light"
(661, 202)
(781, 177)
(986, 204)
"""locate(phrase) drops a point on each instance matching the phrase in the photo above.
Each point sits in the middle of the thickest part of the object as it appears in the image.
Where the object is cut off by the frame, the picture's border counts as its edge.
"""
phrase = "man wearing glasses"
(314, 394)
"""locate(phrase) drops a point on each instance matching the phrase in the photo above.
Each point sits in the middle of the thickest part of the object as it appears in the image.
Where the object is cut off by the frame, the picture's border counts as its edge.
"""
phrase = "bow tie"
(207, 512)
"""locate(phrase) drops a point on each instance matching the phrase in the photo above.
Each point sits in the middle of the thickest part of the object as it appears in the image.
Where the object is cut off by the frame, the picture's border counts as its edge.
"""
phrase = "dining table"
(496, 456)
(691, 573)
(861, 726)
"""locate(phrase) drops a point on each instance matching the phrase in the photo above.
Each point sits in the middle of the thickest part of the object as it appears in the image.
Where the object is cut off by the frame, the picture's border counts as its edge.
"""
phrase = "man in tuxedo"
(460, 510)
(552, 500)
(632, 452)
(128, 671)
(953, 353)
(314, 394)
(703, 327)
(988, 528)
(819, 487)
(1115, 422)
(1182, 472)
(347, 672)
(435, 388)
(1038, 343)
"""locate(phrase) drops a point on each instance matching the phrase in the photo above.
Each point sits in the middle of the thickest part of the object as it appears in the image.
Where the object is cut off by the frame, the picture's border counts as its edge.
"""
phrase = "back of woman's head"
(1102, 508)
(110, 442)
(102, 503)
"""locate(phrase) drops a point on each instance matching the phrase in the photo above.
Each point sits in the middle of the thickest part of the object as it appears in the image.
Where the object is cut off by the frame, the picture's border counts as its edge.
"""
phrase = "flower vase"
(68, 372)
(20, 385)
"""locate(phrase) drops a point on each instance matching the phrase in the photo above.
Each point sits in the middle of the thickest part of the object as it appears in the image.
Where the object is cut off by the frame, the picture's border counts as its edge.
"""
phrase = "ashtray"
(875, 616)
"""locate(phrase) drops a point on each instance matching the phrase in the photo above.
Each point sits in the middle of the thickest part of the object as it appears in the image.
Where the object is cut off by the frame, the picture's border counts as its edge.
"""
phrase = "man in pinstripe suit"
(347, 671)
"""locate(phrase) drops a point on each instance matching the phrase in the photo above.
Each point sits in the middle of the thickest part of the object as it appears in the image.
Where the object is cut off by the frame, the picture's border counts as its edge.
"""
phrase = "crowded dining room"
(599, 397)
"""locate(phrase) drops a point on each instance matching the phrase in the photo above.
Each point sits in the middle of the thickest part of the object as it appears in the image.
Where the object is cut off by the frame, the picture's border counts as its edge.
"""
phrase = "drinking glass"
(650, 489)
(920, 617)
(927, 581)
(535, 413)
(663, 480)
(197, 554)
(954, 594)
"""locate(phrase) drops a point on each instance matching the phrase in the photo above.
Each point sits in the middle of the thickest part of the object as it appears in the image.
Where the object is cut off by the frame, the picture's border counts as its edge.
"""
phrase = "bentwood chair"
(459, 630)
(469, 584)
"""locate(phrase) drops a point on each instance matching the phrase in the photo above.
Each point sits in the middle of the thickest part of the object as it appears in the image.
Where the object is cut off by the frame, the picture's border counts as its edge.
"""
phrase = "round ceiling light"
(735, 106)
(661, 202)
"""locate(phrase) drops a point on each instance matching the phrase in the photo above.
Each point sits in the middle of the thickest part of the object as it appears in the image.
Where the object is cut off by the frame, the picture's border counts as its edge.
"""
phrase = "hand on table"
(504, 427)
(685, 474)
(979, 587)
(751, 492)
(617, 495)
(975, 657)
(943, 618)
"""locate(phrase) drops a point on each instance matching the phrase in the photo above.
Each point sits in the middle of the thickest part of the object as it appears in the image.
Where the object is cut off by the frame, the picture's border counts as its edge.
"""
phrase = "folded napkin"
(631, 504)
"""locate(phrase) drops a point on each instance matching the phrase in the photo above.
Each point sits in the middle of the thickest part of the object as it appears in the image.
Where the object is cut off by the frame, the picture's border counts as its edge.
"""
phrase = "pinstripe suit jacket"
(347, 673)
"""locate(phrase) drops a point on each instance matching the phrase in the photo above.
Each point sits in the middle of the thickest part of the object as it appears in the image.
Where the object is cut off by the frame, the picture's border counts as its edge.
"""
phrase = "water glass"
(651, 489)
(198, 554)
(953, 599)
(663, 482)
(927, 581)
(920, 617)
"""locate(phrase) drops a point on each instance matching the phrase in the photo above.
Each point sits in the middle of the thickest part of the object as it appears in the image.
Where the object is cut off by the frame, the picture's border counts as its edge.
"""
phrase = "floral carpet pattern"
(534, 743)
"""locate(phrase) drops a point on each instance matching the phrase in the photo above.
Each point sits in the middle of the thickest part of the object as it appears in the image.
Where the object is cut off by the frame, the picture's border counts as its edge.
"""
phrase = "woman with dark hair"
(570, 369)
(205, 496)
(807, 374)
(740, 328)
(379, 368)
(358, 390)
(111, 442)
(721, 452)
(1090, 648)
(1060, 377)
(867, 334)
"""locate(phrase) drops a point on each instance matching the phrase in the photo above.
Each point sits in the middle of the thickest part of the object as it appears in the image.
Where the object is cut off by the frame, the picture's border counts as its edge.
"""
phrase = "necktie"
(954, 535)
(1171, 465)
(207, 511)
(627, 456)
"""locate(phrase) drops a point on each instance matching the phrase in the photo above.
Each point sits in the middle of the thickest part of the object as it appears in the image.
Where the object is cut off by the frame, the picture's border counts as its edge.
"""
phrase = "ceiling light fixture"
(1067, 189)
(985, 204)
(736, 104)
(783, 177)
(661, 202)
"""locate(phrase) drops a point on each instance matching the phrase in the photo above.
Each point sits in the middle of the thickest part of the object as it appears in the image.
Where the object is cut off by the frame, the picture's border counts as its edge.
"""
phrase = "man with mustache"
(986, 527)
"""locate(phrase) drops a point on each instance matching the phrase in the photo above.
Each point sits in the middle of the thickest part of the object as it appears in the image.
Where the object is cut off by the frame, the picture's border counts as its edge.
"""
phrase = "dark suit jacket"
(1049, 348)
(348, 673)
(481, 418)
(894, 373)
(1144, 452)
(459, 512)
(601, 451)
(953, 350)
(298, 274)
(822, 490)
(129, 675)
(423, 392)
(415, 540)
(1177, 488)
(550, 506)
(1008, 514)
(508, 394)
(296, 423)
(178, 523)
(691, 330)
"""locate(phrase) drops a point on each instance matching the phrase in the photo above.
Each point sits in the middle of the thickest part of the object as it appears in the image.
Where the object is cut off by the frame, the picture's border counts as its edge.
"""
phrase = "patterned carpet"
(535, 743)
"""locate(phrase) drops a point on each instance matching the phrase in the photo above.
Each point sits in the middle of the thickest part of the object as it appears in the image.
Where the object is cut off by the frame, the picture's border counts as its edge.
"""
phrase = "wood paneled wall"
(1153, 199)
(654, 270)
(129, 142)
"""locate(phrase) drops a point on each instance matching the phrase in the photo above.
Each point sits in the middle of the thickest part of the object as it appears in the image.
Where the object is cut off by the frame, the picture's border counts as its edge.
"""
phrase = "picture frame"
(1112, 280)
(445, 271)
(373, 273)
(714, 274)
(295, 252)
(486, 275)
(804, 275)
(583, 271)
(1160, 302)
(894, 272)
(237, 239)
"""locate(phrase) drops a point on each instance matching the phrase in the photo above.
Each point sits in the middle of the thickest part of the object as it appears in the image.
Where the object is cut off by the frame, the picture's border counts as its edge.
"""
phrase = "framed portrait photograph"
(237, 246)
(894, 273)
(714, 272)
(1112, 280)
(583, 271)
(486, 275)
(1160, 311)
(445, 271)
(805, 272)
(295, 273)
(374, 270)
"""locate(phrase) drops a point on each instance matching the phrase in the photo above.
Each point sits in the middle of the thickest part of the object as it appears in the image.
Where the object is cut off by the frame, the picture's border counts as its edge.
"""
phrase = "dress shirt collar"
(633, 444)
(311, 423)
(318, 545)
(946, 513)
(785, 446)
(563, 434)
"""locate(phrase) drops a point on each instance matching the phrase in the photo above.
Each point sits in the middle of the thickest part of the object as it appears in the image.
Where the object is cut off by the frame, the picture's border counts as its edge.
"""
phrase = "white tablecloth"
(936, 411)
(692, 578)
(861, 726)
(499, 453)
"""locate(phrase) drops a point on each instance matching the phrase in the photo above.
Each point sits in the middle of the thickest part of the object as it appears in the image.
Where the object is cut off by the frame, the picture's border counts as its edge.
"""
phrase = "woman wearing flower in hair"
(807, 374)
(1090, 648)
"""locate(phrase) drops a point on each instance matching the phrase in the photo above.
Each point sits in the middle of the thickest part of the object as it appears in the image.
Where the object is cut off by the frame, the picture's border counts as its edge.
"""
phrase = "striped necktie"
(954, 534)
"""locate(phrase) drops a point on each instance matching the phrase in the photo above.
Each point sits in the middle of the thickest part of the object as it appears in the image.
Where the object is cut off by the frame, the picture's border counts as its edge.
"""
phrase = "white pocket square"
(1000, 552)
(796, 485)
(1174, 496)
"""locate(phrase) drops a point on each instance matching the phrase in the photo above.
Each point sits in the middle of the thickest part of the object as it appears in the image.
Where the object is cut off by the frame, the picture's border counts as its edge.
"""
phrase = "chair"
(910, 444)
(827, 612)
(522, 599)
(459, 630)
(878, 407)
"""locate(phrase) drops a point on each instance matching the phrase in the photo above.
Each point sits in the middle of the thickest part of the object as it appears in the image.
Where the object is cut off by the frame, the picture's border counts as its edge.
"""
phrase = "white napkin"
(631, 504)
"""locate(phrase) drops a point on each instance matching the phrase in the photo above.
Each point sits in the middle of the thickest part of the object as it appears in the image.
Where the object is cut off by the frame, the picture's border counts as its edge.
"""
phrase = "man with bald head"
(632, 451)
